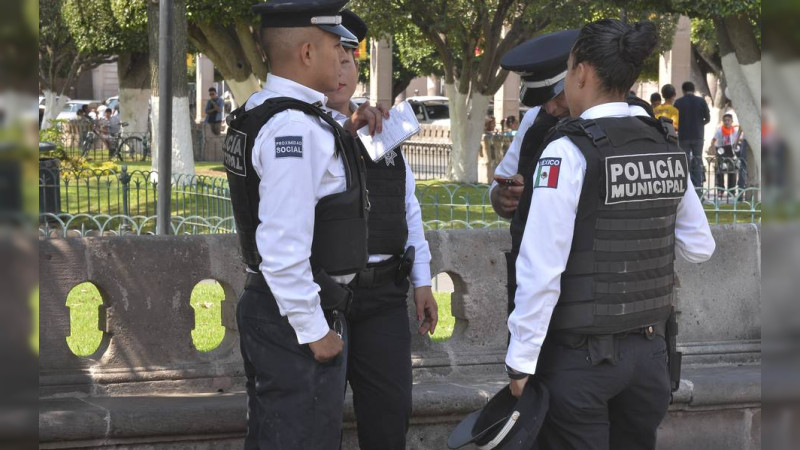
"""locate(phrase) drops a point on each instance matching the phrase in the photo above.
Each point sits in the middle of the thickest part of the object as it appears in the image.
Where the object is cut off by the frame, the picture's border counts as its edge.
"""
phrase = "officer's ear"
(306, 53)
(582, 70)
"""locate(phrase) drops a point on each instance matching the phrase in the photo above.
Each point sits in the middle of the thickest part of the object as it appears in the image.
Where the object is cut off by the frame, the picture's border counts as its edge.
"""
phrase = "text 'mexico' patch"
(233, 150)
(289, 147)
(547, 173)
(638, 178)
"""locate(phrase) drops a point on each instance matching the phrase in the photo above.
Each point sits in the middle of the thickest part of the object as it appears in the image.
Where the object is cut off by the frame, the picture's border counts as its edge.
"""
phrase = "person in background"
(667, 109)
(214, 109)
(511, 124)
(655, 100)
(488, 124)
(693, 115)
(726, 147)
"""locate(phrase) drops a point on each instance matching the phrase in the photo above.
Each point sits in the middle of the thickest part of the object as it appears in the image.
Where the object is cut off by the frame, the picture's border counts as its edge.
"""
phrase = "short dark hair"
(616, 50)
(668, 91)
(212, 89)
(655, 97)
(687, 86)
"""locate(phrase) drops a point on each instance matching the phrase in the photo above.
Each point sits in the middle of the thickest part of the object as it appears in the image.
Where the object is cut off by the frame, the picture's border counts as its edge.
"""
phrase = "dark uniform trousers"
(293, 402)
(379, 364)
(604, 406)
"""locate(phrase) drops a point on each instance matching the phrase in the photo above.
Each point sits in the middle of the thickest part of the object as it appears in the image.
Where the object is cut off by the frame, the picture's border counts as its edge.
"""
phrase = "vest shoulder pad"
(576, 126)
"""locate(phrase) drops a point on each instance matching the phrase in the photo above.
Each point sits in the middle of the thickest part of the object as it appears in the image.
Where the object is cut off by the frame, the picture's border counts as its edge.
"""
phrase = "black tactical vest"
(620, 272)
(386, 183)
(340, 220)
(529, 152)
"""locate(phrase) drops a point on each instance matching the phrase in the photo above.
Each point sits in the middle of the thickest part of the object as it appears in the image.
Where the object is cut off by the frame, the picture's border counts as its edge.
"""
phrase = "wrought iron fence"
(428, 160)
(93, 225)
(106, 192)
(103, 202)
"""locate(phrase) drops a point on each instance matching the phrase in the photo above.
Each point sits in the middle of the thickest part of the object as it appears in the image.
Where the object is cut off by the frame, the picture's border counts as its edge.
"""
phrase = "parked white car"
(70, 111)
(431, 109)
(112, 102)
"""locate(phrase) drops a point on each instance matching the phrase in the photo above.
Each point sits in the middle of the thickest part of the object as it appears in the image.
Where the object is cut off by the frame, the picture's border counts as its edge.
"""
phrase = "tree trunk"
(181, 145)
(134, 90)
(53, 104)
(467, 113)
(242, 90)
(234, 52)
(738, 67)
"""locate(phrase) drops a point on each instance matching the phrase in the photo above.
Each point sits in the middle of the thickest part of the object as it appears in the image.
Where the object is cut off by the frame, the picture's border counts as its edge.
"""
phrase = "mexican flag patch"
(547, 173)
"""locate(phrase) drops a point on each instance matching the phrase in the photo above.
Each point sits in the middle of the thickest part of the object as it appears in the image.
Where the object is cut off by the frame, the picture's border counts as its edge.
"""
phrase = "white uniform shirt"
(294, 177)
(510, 162)
(421, 271)
(548, 237)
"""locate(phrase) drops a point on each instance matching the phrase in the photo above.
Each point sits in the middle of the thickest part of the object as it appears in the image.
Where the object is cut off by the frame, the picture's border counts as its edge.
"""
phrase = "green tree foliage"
(107, 26)
(470, 38)
(228, 33)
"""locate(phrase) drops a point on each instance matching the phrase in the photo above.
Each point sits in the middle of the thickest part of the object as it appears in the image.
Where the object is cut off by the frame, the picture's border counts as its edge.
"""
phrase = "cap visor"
(541, 95)
(347, 43)
(462, 435)
(339, 31)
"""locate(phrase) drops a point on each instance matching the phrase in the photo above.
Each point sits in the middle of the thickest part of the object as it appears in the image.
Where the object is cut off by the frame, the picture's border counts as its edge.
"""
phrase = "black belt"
(332, 296)
(379, 274)
(576, 340)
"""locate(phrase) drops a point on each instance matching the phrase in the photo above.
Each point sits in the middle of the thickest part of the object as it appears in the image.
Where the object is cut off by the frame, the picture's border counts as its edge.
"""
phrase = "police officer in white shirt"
(299, 199)
(541, 63)
(611, 206)
(379, 347)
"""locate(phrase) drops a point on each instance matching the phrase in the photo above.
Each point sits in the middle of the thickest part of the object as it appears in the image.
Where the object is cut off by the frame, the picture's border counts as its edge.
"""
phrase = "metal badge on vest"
(340, 224)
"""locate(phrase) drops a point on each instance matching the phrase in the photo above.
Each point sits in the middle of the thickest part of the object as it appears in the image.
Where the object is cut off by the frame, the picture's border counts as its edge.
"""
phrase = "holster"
(332, 295)
(406, 264)
(673, 355)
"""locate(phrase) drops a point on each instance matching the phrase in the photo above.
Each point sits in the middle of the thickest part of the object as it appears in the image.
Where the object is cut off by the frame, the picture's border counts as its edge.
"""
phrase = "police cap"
(355, 25)
(303, 13)
(506, 422)
(542, 65)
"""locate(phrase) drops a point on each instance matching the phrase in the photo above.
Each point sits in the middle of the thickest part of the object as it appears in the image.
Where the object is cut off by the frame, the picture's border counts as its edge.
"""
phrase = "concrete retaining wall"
(148, 385)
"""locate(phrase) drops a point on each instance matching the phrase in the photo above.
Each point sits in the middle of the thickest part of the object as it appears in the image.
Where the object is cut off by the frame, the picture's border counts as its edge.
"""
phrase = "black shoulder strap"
(664, 125)
(636, 101)
(275, 105)
(582, 127)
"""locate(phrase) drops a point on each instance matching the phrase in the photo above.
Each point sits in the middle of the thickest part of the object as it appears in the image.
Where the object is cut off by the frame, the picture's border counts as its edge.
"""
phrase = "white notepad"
(401, 125)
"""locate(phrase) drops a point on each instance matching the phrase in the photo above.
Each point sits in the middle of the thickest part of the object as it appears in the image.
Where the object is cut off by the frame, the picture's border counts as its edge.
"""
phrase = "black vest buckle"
(593, 131)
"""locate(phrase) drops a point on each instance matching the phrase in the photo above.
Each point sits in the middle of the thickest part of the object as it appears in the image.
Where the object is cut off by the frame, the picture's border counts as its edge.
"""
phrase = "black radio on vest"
(620, 273)
(340, 220)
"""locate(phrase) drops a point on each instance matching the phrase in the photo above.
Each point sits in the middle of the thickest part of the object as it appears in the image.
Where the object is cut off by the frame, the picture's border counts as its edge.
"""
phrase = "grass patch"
(444, 329)
(84, 301)
(206, 300)
(34, 304)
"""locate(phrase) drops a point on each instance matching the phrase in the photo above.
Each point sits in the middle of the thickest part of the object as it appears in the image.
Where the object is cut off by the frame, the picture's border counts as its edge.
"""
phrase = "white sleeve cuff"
(309, 327)
(421, 274)
(522, 356)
